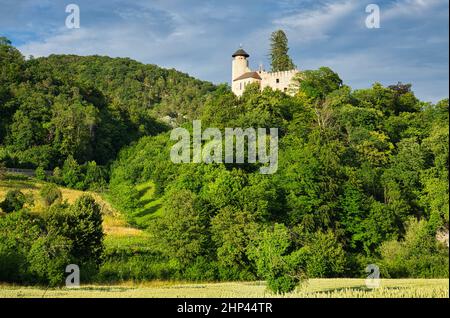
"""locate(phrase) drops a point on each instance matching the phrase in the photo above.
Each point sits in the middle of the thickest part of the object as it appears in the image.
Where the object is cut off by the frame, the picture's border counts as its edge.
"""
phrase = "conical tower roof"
(240, 52)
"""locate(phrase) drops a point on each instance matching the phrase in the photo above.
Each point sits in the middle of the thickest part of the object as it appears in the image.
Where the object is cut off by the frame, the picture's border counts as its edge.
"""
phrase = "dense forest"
(362, 174)
(85, 107)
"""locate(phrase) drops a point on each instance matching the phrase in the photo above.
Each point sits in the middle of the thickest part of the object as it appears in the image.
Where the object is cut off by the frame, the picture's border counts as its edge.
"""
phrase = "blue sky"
(198, 37)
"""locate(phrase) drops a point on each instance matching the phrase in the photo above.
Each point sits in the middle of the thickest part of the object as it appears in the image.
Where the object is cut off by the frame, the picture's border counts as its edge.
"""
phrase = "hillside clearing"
(114, 223)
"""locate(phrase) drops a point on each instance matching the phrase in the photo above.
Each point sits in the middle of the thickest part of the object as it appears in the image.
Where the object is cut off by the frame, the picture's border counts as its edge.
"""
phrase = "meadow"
(314, 288)
(114, 223)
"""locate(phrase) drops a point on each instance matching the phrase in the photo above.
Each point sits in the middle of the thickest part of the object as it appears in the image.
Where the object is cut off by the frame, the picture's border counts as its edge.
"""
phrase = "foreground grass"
(314, 288)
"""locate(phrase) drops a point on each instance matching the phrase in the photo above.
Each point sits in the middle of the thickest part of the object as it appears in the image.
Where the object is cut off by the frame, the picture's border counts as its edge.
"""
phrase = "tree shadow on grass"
(144, 190)
(149, 210)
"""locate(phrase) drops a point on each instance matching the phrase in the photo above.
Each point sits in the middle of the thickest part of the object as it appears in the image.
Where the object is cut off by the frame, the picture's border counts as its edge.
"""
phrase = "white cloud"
(314, 24)
(177, 47)
(410, 8)
(360, 69)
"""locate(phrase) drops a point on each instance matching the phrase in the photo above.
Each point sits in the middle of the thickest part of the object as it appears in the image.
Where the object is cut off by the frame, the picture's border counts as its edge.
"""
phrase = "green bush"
(2, 171)
(234, 273)
(201, 270)
(71, 174)
(14, 201)
(418, 255)
(81, 223)
(180, 232)
(18, 231)
(282, 284)
(48, 257)
(37, 250)
(95, 177)
(12, 263)
(50, 194)
(57, 176)
(125, 197)
(325, 256)
(40, 173)
(275, 261)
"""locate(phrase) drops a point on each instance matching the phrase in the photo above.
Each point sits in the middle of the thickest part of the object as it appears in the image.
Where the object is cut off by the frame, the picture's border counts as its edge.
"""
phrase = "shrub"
(48, 257)
(12, 263)
(136, 267)
(18, 231)
(14, 201)
(71, 174)
(125, 197)
(95, 177)
(40, 174)
(232, 232)
(282, 284)
(325, 256)
(419, 254)
(2, 171)
(81, 223)
(235, 273)
(275, 261)
(201, 270)
(180, 232)
(57, 176)
(50, 194)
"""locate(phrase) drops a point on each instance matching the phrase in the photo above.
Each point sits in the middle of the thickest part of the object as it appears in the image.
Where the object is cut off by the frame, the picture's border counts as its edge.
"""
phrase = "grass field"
(314, 288)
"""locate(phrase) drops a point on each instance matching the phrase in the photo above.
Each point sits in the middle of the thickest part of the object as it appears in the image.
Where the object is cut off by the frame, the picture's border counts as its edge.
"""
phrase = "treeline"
(85, 107)
(362, 179)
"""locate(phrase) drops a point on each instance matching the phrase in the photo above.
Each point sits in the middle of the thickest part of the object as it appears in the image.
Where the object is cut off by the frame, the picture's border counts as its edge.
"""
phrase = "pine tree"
(279, 52)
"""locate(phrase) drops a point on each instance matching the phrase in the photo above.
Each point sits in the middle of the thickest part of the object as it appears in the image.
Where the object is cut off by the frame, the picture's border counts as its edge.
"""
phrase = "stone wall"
(277, 80)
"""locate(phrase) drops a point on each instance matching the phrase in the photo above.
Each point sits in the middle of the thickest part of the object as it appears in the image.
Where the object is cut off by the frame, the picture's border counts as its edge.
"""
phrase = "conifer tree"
(280, 60)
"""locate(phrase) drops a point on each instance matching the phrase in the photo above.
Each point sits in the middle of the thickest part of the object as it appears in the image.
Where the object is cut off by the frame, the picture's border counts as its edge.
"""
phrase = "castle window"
(240, 85)
(278, 80)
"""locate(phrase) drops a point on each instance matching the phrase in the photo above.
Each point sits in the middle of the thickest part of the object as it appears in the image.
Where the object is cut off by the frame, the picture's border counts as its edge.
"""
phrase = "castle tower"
(239, 64)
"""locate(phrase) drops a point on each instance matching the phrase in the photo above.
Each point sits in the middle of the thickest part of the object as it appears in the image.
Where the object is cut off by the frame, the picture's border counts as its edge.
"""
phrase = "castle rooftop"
(248, 75)
(240, 52)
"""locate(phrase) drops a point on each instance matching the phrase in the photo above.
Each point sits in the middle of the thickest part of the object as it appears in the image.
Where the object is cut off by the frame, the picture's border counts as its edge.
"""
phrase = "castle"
(242, 75)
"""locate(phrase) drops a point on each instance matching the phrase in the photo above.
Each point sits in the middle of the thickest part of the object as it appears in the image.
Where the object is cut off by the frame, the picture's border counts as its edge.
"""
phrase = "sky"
(198, 37)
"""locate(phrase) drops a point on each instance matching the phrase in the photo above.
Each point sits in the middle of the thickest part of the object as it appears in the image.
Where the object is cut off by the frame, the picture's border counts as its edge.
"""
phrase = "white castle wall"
(277, 80)
(238, 87)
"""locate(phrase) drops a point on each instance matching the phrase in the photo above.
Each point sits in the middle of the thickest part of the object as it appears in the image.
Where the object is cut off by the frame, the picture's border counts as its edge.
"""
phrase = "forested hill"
(362, 174)
(87, 107)
(362, 179)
